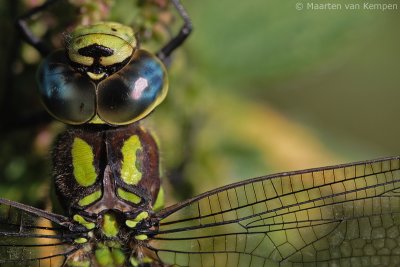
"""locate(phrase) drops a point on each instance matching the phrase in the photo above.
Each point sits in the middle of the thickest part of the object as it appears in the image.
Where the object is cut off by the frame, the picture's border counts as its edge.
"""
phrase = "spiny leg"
(27, 34)
(176, 175)
(177, 40)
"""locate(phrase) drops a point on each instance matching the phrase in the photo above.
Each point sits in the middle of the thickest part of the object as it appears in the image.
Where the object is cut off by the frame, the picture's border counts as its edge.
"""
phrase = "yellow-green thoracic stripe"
(79, 219)
(132, 223)
(128, 196)
(83, 163)
(89, 199)
(130, 173)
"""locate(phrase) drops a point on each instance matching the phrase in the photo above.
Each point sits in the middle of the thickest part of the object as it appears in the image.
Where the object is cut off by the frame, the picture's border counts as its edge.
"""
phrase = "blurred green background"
(259, 87)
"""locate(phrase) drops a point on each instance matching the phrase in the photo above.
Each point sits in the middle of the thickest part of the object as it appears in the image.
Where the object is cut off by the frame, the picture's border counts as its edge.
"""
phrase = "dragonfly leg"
(177, 40)
(27, 34)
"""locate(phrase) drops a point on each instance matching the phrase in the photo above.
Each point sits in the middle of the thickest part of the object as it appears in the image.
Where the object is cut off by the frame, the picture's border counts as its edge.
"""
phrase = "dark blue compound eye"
(133, 92)
(67, 95)
(122, 98)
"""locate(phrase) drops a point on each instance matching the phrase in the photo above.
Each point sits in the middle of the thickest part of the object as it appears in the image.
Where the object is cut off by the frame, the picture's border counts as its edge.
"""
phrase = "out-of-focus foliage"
(258, 87)
(335, 70)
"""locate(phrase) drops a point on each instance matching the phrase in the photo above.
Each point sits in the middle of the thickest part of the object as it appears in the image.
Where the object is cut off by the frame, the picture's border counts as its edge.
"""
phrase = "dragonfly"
(107, 178)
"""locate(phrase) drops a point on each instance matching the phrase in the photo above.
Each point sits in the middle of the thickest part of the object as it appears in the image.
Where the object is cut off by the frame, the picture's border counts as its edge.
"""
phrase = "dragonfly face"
(101, 49)
(107, 179)
(102, 77)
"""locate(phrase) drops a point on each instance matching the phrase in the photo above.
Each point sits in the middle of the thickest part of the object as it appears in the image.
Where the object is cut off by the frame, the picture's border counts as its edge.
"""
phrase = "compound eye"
(65, 93)
(134, 91)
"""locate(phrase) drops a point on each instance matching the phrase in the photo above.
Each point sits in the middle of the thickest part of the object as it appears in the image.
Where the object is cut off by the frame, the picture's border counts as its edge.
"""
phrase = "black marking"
(97, 68)
(96, 51)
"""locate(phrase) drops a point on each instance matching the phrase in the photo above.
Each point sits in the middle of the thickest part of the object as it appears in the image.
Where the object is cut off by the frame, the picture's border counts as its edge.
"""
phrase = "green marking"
(110, 225)
(82, 162)
(79, 219)
(159, 204)
(128, 196)
(134, 262)
(142, 215)
(80, 240)
(130, 174)
(118, 256)
(89, 199)
(141, 237)
(134, 222)
(103, 256)
(131, 223)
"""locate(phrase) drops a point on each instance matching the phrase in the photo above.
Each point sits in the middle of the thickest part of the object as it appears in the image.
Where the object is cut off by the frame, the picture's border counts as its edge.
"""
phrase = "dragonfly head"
(101, 78)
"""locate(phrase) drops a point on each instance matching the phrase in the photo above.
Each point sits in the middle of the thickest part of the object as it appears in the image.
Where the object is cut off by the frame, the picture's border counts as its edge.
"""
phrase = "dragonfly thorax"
(108, 180)
(113, 169)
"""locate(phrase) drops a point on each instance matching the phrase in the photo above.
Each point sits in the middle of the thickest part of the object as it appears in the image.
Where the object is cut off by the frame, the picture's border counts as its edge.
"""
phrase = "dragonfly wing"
(33, 237)
(334, 216)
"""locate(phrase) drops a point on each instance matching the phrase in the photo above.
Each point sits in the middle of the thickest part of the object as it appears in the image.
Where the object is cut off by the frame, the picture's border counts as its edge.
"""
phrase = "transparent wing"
(334, 216)
(33, 237)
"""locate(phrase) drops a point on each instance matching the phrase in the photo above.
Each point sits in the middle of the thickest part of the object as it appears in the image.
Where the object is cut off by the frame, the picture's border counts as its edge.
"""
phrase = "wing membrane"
(33, 237)
(344, 215)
